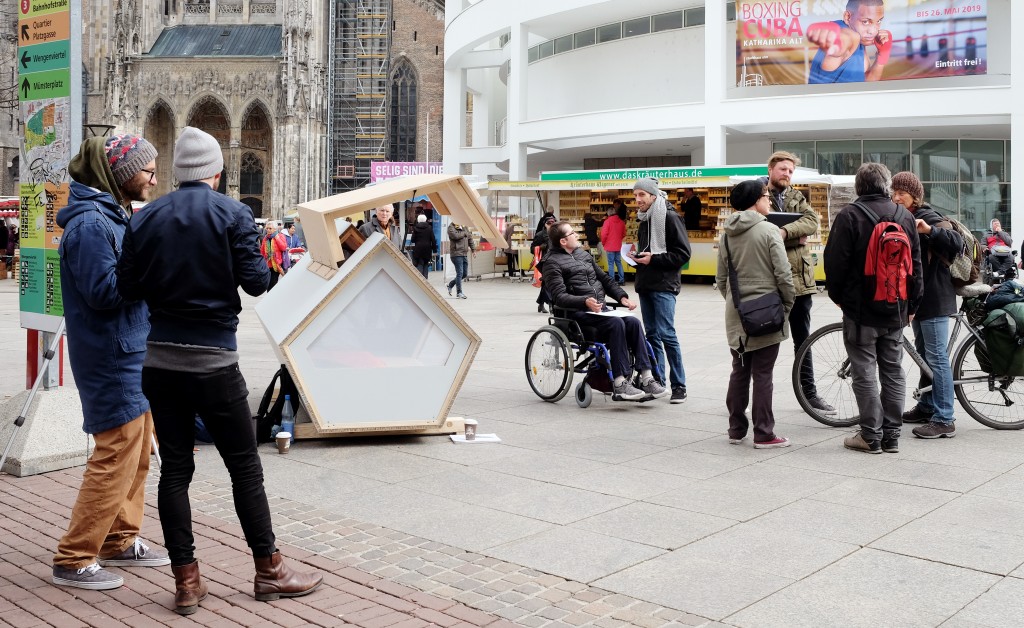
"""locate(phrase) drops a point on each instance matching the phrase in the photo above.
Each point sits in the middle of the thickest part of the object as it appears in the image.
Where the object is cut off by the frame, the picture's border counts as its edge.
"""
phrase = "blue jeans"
(659, 313)
(461, 270)
(615, 262)
(930, 339)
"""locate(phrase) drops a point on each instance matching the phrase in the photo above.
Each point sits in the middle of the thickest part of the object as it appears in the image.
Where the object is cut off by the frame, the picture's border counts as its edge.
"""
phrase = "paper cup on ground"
(470, 429)
(284, 441)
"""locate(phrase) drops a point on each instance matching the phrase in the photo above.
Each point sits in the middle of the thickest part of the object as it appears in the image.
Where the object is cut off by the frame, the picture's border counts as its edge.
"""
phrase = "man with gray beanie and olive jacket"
(186, 254)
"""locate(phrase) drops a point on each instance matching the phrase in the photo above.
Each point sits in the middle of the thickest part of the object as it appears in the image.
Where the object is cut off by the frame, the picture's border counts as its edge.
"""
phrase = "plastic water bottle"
(288, 417)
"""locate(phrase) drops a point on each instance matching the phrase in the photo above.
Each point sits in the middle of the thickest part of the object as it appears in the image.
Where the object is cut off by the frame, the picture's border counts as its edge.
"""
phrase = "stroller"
(1000, 265)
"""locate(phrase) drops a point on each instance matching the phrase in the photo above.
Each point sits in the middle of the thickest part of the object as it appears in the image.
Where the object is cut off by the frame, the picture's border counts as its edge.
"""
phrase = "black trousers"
(800, 328)
(220, 399)
(757, 365)
(622, 335)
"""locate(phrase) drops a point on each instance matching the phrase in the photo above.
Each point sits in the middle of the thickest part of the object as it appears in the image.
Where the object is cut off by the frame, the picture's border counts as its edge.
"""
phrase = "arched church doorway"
(256, 145)
(210, 115)
(159, 130)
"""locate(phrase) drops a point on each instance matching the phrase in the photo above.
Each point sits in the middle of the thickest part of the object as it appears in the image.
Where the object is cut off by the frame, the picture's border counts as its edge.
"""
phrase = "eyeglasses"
(566, 235)
(767, 195)
(151, 173)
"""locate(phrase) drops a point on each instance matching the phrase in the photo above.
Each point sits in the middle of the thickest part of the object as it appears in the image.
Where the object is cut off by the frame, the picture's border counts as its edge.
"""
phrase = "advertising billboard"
(813, 42)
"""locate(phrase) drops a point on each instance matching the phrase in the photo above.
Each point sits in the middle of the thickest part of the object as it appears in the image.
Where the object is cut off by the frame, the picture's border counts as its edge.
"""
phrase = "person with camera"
(752, 263)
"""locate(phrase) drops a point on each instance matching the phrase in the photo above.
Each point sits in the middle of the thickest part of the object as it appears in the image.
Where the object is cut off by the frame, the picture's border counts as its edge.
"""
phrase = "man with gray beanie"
(106, 344)
(661, 251)
(189, 277)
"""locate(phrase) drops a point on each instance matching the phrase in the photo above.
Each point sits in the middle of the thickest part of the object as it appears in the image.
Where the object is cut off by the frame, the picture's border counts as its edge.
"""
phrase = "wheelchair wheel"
(584, 394)
(549, 363)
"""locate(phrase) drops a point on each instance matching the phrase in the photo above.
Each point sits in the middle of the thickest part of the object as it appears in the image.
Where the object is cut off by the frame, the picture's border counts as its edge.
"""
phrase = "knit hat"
(127, 155)
(197, 156)
(909, 183)
(745, 194)
(649, 185)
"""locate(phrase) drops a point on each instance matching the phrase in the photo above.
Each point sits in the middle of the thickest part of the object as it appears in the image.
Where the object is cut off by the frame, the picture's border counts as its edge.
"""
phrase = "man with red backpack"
(873, 273)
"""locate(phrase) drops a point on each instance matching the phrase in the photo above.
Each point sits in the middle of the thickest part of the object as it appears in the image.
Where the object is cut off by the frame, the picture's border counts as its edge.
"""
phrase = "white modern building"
(543, 85)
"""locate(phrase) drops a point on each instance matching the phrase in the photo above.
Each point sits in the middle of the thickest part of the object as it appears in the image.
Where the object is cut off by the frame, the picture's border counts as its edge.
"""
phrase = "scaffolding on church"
(360, 44)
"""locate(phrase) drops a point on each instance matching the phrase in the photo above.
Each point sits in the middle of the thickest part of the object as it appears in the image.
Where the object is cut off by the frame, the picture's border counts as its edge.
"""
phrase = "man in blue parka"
(106, 345)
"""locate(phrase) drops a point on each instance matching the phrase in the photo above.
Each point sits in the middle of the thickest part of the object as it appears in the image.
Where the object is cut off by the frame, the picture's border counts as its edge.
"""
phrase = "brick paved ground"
(372, 595)
(35, 512)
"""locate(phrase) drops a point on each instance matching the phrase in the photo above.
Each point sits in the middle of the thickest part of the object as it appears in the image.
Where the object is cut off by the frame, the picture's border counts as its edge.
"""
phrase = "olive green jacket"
(799, 254)
(759, 257)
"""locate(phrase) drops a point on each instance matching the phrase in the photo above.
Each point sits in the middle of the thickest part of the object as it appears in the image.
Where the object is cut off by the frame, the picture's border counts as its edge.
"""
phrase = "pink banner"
(381, 170)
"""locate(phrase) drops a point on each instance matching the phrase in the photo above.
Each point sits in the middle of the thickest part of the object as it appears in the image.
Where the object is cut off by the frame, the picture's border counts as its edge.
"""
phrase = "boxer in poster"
(793, 42)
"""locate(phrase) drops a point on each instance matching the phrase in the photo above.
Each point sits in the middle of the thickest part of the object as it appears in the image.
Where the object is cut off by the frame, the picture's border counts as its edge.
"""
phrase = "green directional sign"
(55, 55)
(52, 84)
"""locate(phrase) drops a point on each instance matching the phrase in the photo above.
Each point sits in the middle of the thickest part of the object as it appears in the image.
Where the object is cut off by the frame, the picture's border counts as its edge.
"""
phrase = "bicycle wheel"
(993, 400)
(832, 377)
(549, 363)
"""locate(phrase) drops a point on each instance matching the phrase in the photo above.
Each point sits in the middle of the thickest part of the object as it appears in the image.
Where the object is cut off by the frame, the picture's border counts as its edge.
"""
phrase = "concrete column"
(1017, 122)
(234, 162)
(714, 82)
(516, 111)
(454, 118)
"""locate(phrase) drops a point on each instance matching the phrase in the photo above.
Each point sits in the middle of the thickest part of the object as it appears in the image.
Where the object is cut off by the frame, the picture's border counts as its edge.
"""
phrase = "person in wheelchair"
(576, 284)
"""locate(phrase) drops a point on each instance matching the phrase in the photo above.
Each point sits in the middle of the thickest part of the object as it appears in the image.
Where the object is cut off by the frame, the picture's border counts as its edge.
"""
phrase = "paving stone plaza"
(618, 514)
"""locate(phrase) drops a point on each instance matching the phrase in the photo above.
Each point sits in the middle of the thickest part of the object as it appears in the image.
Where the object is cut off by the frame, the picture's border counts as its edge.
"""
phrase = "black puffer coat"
(572, 278)
(423, 242)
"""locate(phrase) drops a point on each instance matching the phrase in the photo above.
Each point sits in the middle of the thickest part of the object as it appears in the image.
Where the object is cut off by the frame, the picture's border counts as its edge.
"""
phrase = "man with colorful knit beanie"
(106, 344)
(189, 278)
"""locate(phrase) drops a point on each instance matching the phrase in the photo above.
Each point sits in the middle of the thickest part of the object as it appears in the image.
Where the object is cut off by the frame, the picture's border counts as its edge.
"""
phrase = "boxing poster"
(794, 42)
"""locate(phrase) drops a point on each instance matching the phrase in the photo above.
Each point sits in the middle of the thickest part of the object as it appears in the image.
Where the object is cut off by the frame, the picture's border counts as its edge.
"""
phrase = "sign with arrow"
(38, 85)
(43, 29)
(40, 58)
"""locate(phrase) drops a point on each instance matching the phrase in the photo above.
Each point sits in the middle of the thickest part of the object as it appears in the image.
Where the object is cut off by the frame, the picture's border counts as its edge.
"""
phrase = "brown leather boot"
(189, 589)
(274, 579)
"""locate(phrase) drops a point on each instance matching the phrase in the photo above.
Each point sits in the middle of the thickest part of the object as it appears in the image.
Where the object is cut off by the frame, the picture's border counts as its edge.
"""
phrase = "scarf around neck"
(656, 215)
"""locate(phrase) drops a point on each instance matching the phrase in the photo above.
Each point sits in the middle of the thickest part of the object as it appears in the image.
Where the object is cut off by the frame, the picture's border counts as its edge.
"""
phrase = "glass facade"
(967, 179)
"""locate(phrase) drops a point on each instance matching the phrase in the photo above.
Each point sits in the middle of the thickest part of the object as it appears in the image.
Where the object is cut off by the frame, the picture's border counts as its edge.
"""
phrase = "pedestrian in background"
(106, 336)
(755, 249)
(191, 362)
(382, 222)
(423, 245)
(460, 243)
(613, 232)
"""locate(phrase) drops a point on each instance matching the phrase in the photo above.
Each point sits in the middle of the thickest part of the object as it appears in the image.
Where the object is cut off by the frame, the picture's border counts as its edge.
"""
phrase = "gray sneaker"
(627, 392)
(654, 389)
(138, 554)
(92, 577)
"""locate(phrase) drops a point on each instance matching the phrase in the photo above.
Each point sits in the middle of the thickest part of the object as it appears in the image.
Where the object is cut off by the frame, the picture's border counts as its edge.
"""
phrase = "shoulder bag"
(761, 315)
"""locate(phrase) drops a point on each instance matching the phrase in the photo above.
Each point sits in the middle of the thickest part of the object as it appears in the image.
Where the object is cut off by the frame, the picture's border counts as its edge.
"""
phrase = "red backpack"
(889, 260)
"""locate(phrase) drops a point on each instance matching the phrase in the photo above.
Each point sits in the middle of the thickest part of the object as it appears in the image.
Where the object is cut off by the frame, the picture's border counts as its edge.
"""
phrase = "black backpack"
(266, 416)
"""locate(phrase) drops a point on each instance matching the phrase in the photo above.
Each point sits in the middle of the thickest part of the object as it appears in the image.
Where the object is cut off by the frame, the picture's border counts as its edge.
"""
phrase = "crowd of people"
(138, 335)
(756, 259)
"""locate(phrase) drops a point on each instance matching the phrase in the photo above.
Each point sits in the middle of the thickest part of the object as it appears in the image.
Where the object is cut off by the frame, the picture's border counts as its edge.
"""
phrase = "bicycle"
(995, 401)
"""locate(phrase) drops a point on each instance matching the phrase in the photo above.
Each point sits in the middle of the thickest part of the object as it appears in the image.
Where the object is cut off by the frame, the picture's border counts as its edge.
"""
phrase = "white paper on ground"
(480, 438)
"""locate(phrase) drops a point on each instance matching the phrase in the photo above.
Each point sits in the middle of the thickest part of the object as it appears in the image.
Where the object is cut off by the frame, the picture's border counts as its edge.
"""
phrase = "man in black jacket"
(939, 241)
(186, 254)
(575, 283)
(661, 251)
(873, 335)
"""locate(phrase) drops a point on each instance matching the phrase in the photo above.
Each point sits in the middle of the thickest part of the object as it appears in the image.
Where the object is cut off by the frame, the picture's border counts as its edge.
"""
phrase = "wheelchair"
(563, 347)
